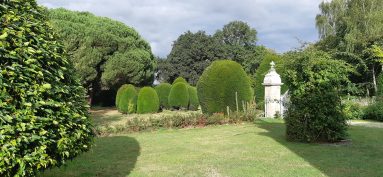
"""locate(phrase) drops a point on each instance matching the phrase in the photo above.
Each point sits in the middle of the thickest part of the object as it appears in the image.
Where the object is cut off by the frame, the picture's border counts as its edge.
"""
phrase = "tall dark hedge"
(315, 111)
(148, 101)
(43, 117)
(127, 100)
(193, 98)
(179, 95)
(218, 85)
(163, 91)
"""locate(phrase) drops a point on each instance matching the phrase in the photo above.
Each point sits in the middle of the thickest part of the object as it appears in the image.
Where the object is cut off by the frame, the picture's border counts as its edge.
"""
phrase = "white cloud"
(278, 22)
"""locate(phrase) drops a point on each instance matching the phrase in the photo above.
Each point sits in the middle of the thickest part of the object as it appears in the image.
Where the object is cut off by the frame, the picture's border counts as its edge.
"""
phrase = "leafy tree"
(106, 53)
(315, 112)
(190, 55)
(43, 117)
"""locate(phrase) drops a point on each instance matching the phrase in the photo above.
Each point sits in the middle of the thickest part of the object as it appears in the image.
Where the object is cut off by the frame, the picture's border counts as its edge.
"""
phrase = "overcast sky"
(280, 23)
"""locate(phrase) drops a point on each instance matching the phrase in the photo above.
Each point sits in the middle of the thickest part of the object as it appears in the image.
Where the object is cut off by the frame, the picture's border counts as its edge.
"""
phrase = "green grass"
(258, 149)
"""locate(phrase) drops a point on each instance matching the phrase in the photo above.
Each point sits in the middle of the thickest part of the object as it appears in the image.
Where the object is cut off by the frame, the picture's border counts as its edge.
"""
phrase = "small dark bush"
(374, 111)
(147, 101)
(179, 95)
(127, 99)
(163, 91)
(193, 98)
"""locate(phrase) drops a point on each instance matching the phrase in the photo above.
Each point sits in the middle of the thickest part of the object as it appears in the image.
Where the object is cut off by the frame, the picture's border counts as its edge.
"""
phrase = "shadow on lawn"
(111, 156)
(363, 157)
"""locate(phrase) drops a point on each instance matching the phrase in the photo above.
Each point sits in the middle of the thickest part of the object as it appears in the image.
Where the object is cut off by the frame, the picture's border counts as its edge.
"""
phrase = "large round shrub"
(193, 98)
(218, 85)
(180, 79)
(163, 91)
(179, 95)
(43, 116)
(127, 99)
(147, 101)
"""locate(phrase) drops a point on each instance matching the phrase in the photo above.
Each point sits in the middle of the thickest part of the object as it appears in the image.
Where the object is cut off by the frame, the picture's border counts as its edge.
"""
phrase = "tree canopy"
(105, 53)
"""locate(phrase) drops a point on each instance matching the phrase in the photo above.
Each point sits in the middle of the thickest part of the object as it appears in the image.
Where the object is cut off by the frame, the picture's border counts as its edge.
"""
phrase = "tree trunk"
(374, 79)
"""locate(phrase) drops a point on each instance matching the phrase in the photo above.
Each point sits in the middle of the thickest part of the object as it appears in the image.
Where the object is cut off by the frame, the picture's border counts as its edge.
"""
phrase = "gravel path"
(367, 124)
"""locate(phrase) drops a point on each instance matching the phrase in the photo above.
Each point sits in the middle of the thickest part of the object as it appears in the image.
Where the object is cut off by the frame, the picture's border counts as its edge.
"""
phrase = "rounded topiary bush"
(218, 85)
(44, 117)
(163, 91)
(179, 95)
(127, 99)
(193, 98)
(147, 101)
(180, 79)
(118, 94)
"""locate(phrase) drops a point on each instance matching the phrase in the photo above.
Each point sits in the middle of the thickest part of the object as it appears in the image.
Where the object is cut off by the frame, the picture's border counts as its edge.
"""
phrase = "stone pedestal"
(272, 83)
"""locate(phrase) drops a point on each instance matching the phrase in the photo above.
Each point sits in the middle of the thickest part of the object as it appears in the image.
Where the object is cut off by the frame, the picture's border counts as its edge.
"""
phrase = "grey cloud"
(278, 22)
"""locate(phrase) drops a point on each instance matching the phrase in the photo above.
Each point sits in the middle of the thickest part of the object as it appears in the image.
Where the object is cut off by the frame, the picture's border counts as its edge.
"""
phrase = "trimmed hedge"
(180, 79)
(179, 95)
(163, 91)
(127, 99)
(148, 101)
(193, 98)
(118, 94)
(218, 85)
(44, 118)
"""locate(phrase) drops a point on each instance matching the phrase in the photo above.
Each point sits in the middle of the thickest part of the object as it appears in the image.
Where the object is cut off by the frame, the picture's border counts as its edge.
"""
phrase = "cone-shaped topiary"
(179, 95)
(118, 94)
(193, 98)
(163, 91)
(180, 79)
(43, 111)
(148, 101)
(127, 99)
(220, 83)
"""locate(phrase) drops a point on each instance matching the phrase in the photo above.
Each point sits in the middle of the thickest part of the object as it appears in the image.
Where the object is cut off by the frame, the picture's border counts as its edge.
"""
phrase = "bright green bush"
(179, 95)
(193, 98)
(218, 85)
(374, 111)
(352, 110)
(180, 79)
(118, 94)
(148, 101)
(163, 91)
(315, 110)
(44, 117)
(127, 99)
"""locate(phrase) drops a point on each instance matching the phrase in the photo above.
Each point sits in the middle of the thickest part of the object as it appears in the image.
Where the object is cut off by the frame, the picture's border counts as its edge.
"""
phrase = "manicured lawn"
(258, 149)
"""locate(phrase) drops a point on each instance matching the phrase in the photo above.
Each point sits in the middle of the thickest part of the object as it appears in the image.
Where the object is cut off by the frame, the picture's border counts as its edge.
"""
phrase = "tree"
(106, 53)
(315, 112)
(190, 55)
(44, 118)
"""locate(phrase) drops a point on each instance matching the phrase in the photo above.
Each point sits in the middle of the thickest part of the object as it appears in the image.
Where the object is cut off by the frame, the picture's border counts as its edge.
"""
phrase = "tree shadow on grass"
(111, 156)
(362, 157)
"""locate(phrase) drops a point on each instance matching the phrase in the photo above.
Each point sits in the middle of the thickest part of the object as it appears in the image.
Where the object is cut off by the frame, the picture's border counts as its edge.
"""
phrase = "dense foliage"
(106, 53)
(163, 91)
(193, 98)
(43, 117)
(223, 84)
(147, 101)
(315, 111)
(352, 110)
(127, 99)
(118, 94)
(179, 95)
(180, 79)
(374, 111)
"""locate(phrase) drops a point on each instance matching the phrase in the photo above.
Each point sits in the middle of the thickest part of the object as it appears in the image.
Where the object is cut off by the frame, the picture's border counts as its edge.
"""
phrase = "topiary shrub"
(127, 100)
(147, 101)
(44, 117)
(193, 98)
(315, 111)
(220, 83)
(179, 95)
(118, 94)
(163, 91)
(180, 79)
